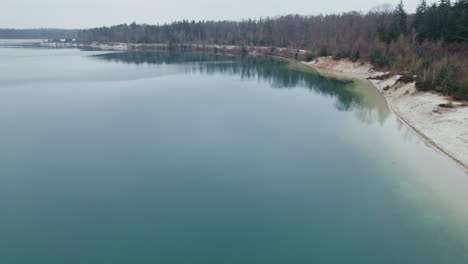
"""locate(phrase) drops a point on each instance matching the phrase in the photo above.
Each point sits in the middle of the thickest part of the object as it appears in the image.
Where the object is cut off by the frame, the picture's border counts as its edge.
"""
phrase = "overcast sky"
(92, 13)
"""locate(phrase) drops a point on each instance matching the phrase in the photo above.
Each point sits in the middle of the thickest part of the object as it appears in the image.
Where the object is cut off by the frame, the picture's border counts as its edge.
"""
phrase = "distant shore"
(444, 129)
(298, 54)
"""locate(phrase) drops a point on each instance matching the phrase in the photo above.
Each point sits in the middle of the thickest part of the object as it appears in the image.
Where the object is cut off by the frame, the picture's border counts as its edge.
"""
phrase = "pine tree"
(420, 20)
(400, 17)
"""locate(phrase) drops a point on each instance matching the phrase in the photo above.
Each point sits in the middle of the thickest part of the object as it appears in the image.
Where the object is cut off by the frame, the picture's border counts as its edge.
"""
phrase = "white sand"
(446, 129)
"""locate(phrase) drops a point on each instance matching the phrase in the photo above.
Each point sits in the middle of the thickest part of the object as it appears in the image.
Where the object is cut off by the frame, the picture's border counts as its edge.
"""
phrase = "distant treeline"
(431, 44)
(42, 33)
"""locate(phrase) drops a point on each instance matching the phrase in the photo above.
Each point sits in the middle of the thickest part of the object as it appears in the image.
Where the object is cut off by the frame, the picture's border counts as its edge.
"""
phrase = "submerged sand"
(445, 129)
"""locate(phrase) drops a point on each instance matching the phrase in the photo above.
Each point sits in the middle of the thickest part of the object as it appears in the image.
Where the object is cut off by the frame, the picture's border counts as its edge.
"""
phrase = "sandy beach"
(444, 129)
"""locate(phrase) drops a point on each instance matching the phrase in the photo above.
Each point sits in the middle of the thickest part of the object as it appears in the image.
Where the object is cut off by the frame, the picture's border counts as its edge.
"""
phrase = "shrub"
(407, 77)
(340, 55)
(380, 77)
(446, 75)
(356, 56)
(423, 85)
(323, 52)
(378, 59)
(461, 92)
(309, 56)
(447, 105)
(397, 64)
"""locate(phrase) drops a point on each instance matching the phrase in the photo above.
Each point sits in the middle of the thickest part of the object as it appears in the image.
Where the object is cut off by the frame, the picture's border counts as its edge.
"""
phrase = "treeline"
(43, 33)
(430, 44)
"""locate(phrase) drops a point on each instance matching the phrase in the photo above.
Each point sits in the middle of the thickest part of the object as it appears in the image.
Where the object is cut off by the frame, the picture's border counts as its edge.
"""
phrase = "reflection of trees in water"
(279, 73)
(373, 106)
(371, 113)
(19, 44)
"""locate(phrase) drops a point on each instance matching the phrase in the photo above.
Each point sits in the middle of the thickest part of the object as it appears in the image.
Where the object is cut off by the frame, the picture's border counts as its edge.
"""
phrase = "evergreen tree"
(461, 24)
(420, 20)
(401, 18)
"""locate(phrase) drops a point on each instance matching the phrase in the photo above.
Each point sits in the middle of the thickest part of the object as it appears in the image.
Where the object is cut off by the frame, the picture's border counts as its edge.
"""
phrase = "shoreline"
(443, 129)
(289, 53)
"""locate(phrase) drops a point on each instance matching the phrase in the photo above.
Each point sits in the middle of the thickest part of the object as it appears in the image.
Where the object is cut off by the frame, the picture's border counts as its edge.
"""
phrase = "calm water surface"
(160, 157)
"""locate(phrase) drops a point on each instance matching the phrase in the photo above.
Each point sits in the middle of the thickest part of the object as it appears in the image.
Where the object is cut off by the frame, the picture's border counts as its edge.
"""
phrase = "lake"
(188, 157)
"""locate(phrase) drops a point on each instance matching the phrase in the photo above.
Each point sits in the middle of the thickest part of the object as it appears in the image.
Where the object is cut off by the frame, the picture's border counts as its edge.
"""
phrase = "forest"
(428, 46)
(42, 33)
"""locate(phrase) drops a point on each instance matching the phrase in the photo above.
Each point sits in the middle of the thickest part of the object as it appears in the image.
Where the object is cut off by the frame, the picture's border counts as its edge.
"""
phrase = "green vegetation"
(378, 59)
(341, 54)
(323, 52)
(356, 56)
(447, 105)
(430, 44)
(309, 57)
(407, 78)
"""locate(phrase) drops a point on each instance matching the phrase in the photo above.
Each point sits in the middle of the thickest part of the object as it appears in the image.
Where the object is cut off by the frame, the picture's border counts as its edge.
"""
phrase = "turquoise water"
(165, 157)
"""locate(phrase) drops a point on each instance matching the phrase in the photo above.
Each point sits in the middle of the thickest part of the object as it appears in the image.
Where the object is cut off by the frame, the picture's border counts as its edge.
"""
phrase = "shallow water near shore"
(169, 157)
